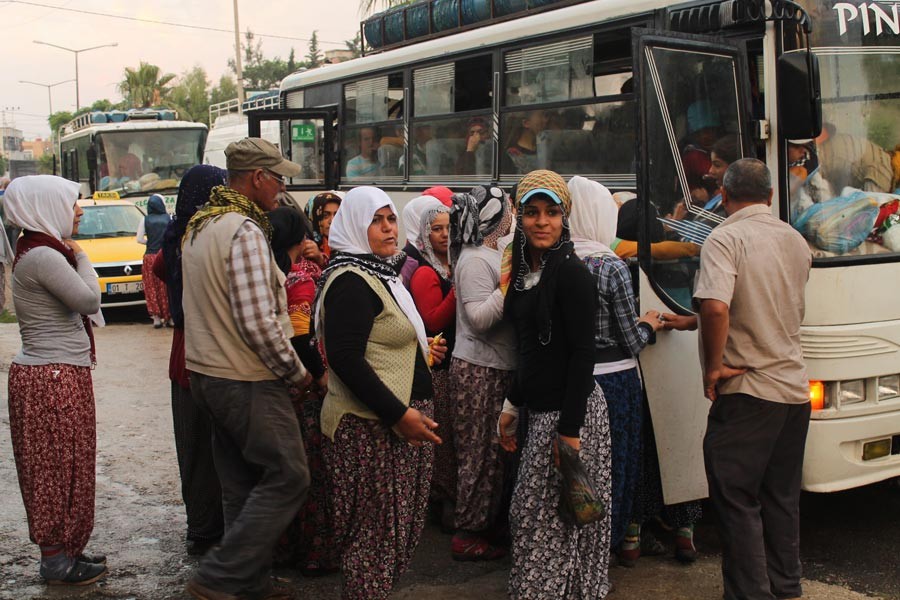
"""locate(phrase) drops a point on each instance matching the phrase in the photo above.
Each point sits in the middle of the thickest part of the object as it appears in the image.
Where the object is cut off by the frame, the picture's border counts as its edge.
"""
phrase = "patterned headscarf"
(224, 200)
(533, 185)
(193, 192)
(429, 214)
(316, 207)
(480, 217)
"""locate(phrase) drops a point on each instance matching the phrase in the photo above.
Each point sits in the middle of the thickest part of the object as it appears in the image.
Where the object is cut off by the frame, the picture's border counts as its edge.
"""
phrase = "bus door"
(306, 137)
(691, 102)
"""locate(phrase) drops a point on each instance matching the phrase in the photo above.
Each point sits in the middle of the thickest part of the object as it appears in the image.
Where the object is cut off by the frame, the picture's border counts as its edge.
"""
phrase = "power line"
(169, 23)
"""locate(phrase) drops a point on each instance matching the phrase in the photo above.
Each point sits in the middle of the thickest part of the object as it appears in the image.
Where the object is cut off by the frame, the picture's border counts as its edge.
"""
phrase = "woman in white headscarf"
(51, 396)
(376, 417)
(618, 338)
(412, 223)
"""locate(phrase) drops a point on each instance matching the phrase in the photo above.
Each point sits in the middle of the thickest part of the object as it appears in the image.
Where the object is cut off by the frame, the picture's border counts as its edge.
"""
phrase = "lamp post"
(76, 53)
(48, 86)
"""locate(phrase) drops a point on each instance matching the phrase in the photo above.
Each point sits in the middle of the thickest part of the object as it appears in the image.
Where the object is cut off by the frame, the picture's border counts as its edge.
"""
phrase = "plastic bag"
(579, 502)
(840, 224)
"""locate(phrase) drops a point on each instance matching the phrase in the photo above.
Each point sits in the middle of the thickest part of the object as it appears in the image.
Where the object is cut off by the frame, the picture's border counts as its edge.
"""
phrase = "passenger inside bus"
(520, 156)
(365, 164)
(704, 128)
(475, 158)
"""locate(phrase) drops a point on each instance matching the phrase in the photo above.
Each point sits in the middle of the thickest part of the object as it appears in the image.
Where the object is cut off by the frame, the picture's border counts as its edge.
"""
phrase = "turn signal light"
(817, 395)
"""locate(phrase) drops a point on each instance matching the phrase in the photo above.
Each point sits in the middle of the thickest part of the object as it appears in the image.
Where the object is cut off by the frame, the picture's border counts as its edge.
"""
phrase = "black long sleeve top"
(351, 307)
(558, 376)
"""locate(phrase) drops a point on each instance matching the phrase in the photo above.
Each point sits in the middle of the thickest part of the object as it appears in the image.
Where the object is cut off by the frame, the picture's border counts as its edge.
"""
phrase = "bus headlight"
(852, 392)
(888, 387)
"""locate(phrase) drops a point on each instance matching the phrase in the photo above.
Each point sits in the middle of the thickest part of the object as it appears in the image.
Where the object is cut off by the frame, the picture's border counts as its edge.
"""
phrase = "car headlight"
(888, 387)
(852, 392)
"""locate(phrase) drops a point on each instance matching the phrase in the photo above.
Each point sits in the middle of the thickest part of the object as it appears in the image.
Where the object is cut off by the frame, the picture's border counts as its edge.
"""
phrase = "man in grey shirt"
(750, 292)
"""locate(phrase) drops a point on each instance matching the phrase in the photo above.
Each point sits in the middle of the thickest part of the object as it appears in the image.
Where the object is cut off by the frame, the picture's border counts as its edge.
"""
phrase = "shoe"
(650, 546)
(201, 592)
(170, 323)
(94, 559)
(628, 557)
(474, 548)
(276, 592)
(81, 573)
(199, 547)
(685, 551)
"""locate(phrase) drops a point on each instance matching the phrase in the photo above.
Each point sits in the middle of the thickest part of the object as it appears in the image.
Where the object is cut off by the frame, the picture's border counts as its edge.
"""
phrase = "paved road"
(849, 539)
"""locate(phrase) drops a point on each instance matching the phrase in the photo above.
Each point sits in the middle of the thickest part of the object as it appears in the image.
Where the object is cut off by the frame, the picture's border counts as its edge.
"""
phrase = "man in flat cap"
(241, 361)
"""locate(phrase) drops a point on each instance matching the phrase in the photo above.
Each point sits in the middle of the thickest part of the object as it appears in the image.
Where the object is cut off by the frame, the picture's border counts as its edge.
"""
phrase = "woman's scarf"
(349, 239)
(193, 192)
(424, 241)
(314, 209)
(444, 194)
(288, 230)
(551, 260)
(224, 200)
(593, 219)
(481, 216)
(44, 207)
(412, 217)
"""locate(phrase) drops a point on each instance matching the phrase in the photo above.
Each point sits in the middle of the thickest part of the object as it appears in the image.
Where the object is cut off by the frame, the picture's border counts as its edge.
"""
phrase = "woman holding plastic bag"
(552, 303)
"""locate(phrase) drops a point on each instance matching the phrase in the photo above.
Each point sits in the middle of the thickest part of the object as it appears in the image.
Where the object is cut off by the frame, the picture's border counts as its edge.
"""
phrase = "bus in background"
(130, 154)
(637, 94)
(228, 122)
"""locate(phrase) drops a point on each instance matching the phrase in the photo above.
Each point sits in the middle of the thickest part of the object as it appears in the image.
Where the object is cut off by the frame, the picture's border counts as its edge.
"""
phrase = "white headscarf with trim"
(593, 219)
(350, 234)
(42, 203)
(412, 217)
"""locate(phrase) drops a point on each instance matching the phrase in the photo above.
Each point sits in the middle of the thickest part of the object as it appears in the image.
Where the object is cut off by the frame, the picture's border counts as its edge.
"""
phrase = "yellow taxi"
(107, 233)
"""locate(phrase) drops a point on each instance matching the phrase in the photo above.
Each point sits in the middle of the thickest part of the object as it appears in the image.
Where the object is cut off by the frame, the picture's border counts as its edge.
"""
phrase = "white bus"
(229, 124)
(632, 93)
(130, 154)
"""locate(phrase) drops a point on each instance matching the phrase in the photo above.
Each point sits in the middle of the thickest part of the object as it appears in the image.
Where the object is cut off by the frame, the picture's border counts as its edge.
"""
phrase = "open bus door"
(306, 138)
(690, 94)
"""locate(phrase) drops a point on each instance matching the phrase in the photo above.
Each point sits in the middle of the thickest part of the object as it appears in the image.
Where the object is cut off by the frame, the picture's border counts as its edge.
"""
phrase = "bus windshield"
(136, 162)
(843, 185)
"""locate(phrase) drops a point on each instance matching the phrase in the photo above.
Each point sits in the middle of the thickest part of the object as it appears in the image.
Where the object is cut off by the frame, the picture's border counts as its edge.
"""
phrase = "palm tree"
(367, 7)
(145, 87)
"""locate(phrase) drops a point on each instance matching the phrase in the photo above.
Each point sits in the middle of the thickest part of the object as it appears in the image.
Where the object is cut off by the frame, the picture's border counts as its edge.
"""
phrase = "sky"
(173, 49)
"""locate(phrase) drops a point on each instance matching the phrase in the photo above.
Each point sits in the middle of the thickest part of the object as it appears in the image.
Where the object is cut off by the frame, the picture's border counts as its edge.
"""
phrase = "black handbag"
(579, 502)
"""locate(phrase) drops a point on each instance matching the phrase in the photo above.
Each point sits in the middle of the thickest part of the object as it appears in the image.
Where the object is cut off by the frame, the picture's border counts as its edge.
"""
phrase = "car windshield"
(109, 221)
(135, 162)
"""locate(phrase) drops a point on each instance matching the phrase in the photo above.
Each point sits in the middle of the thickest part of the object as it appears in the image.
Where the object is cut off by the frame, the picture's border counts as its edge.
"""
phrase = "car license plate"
(129, 287)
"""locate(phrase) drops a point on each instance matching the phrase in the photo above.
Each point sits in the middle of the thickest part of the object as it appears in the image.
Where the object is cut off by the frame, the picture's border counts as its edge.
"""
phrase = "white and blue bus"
(633, 94)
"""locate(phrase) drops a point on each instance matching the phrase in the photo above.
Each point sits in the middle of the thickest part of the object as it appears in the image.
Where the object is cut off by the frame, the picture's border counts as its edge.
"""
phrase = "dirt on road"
(139, 520)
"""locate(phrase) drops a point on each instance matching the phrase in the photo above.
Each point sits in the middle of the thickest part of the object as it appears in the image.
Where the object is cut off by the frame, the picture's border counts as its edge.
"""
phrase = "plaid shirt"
(254, 307)
(617, 320)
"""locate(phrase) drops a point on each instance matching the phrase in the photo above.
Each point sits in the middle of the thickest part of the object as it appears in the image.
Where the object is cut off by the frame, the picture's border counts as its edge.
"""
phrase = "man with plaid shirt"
(237, 348)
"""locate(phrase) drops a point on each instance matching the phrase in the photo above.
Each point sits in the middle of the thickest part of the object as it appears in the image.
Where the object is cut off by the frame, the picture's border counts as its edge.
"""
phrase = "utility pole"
(237, 59)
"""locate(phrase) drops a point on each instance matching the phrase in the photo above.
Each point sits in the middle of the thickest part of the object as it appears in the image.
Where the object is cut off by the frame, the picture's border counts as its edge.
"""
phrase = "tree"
(225, 90)
(58, 119)
(191, 96)
(354, 46)
(145, 86)
(367, 7)
(45, 164)
(4, 165)
(313, 54)
(260, 73)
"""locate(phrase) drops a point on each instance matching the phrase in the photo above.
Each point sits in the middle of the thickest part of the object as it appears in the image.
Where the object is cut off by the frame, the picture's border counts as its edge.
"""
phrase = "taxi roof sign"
(106, 196)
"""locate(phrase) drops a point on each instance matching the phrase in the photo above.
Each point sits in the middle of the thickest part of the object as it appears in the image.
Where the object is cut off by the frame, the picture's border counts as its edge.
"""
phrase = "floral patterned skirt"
(154, 290)
(308, 543)
(54, 439)
(443, 482)
(549, 558)
(379, 487)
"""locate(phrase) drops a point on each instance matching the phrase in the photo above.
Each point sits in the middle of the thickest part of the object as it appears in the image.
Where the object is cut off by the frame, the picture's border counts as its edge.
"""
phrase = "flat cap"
(250, 154)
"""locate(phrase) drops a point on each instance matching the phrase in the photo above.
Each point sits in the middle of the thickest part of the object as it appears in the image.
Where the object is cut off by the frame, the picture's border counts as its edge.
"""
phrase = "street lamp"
(48, 86)
(77, 52)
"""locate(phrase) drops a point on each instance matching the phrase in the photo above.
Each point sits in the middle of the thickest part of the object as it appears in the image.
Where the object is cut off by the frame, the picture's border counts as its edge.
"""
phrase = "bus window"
(550, 73)
(843, 186)
(446, 144)
(372, 141)
(692, 132)
(135, 161)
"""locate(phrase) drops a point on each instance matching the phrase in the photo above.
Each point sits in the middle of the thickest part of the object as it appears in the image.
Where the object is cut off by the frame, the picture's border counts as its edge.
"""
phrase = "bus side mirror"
(799, 95)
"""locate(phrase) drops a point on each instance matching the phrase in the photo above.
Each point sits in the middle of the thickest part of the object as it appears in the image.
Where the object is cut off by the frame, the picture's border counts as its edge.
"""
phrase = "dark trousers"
(261, 463)
(199, 482)
(754, 458)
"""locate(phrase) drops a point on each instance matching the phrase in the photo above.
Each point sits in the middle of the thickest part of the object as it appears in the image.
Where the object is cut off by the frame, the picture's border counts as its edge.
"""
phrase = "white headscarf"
(412, 217)
(350, 234)
(423, 242)
(42, 203)
(593, 219)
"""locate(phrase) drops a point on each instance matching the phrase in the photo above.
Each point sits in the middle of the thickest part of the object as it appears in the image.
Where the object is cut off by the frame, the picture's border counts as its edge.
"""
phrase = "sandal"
(81, 573)
(474, 549)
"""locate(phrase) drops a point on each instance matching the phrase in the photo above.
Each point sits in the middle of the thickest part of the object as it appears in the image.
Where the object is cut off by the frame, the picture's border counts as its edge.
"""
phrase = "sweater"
(557, 376)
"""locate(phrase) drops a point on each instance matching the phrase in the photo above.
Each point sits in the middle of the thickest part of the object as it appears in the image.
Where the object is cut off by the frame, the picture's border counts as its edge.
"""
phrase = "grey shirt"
(482, 337)
(49, 297)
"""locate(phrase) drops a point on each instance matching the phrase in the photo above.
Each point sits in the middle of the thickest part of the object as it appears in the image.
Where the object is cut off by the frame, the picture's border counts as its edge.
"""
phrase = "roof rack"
(119, 116)
(259, 101)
